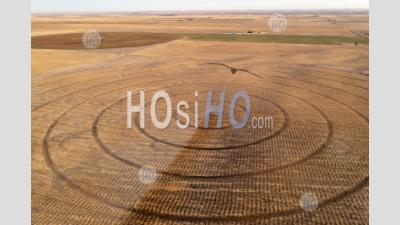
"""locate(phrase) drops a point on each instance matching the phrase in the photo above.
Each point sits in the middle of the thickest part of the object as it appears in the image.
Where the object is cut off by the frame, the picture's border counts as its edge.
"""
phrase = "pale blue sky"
(165, 5)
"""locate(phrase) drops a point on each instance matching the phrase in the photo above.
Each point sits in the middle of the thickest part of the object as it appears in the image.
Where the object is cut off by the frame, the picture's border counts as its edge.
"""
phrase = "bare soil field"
(87, 167)
(109, 40)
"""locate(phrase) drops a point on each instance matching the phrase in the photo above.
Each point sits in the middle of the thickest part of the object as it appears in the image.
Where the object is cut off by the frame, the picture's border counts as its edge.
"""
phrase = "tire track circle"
(172, 217)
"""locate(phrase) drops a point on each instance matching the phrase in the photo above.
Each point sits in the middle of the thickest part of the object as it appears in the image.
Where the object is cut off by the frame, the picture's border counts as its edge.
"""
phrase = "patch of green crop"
(278, 38)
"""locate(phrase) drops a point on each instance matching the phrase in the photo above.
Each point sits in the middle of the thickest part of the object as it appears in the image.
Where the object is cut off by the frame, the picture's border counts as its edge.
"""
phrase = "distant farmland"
(275, 38)
(310, 167)
(135, 39)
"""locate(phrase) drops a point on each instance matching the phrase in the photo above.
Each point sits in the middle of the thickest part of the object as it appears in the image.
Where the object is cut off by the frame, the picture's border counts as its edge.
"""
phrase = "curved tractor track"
(86, 164)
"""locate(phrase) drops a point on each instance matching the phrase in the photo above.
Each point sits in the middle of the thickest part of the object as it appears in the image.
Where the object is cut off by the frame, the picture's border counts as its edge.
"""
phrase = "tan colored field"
(297, 24)
(87, 167)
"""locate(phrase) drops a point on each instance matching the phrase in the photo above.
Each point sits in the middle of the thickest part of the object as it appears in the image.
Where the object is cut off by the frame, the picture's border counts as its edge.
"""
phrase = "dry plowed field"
(87, 165)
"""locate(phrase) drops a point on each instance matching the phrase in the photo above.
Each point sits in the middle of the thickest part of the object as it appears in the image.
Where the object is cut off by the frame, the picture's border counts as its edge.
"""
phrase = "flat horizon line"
(202, 11)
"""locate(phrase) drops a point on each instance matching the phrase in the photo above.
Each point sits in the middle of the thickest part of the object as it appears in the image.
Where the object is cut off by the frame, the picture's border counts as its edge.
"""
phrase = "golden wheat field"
(312, 79)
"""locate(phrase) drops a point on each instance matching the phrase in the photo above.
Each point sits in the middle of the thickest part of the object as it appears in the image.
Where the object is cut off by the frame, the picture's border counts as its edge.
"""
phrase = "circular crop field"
(87, 163)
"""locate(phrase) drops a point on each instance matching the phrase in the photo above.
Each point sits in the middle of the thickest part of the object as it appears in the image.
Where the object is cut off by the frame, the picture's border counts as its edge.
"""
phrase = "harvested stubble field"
(86, 164)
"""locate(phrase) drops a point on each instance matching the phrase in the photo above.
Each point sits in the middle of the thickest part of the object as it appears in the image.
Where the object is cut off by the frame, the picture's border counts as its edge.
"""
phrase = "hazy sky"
(143, 5)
